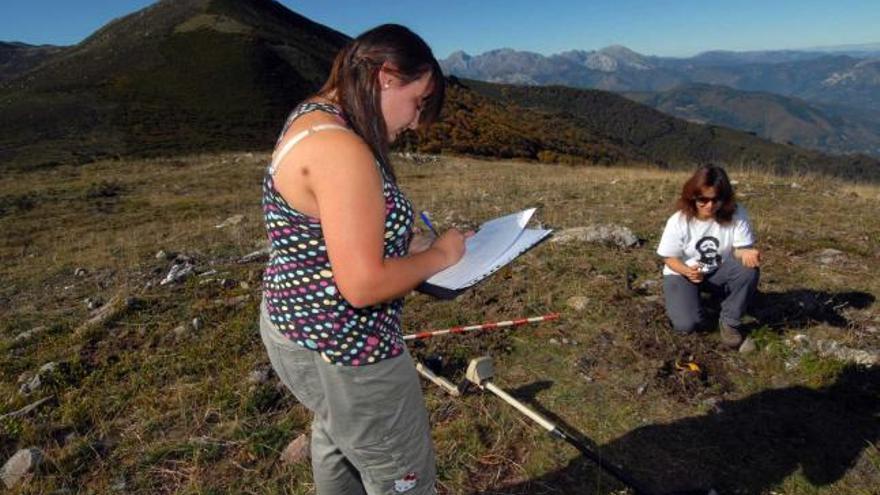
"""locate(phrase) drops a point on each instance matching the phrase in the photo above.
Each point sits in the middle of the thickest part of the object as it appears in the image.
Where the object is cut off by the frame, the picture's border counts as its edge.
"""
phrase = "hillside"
(219, 75)
(18, 58)
(672, 142)
(842, 80)
(166, 389)
(179, 75)
(774, 117)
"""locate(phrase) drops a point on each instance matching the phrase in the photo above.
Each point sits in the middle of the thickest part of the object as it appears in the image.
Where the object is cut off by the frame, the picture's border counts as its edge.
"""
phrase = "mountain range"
(822, 87)
(184, 76)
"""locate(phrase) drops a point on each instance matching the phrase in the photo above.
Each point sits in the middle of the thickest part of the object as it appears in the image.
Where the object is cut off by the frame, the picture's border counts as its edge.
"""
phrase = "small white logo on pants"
(406, 483)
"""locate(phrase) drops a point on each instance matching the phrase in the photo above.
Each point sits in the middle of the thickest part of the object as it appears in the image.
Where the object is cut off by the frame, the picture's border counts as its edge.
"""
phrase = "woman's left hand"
(750, 258)
(421, 242)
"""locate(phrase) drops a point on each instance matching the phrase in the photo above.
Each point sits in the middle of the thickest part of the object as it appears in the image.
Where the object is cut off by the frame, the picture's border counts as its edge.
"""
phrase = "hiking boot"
(730, 337)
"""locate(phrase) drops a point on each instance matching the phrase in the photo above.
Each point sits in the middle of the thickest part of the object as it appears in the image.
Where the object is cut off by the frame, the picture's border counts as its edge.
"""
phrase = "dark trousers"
(735, 282)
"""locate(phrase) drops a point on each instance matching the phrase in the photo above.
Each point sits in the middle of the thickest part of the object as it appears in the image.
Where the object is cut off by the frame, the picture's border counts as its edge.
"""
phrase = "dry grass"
(141, 409)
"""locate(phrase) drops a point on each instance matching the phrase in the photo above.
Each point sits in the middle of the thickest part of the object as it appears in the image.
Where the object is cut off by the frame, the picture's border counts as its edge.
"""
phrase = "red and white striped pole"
(483, 326)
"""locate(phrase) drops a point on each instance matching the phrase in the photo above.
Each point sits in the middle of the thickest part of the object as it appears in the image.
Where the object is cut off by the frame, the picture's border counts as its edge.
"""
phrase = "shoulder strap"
(281, 153)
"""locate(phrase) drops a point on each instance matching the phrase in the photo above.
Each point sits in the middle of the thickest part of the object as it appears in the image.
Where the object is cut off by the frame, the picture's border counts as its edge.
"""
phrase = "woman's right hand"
(451, 245)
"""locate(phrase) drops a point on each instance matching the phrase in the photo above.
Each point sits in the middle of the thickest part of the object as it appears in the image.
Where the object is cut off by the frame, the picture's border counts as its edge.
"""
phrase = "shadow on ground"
(802, 307)
(748, 445)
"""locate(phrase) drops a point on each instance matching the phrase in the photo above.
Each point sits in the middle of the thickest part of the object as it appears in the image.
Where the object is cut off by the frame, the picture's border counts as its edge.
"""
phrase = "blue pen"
(427, 221)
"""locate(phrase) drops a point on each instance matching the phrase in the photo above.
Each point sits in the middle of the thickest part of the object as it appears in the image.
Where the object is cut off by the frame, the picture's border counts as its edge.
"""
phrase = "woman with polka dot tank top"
(343, 257)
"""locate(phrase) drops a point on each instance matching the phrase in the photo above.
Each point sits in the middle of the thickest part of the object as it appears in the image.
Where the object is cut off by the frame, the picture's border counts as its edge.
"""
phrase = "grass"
(142, 408)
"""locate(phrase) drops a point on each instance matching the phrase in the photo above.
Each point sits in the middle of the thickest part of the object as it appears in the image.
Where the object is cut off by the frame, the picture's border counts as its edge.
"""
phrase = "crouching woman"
(708, 245)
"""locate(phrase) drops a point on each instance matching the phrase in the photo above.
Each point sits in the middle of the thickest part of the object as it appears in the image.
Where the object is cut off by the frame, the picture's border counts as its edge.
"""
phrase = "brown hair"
(355, 80)
(708, 176)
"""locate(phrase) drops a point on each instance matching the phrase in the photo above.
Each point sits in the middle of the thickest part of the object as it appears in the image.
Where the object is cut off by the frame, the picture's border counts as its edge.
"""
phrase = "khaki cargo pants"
(370, 432)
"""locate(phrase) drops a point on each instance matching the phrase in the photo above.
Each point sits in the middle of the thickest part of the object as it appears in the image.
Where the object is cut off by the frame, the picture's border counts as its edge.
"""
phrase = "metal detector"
(480, 372)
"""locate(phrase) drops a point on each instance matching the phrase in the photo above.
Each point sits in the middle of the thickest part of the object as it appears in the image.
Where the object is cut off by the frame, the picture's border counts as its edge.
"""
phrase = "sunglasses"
(702, 200)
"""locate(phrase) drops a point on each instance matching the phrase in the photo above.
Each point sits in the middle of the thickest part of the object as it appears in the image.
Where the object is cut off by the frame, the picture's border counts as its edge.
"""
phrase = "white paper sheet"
(495, 244)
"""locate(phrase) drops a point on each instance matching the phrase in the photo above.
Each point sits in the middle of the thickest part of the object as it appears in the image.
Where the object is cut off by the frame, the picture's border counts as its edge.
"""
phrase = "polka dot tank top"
(302, 298)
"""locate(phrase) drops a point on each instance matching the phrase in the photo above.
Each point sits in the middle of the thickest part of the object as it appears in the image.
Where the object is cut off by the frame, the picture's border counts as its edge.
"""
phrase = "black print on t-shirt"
(708, 249)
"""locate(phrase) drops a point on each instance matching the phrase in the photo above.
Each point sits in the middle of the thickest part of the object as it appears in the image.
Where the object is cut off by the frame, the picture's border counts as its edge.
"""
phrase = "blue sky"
(661, 27)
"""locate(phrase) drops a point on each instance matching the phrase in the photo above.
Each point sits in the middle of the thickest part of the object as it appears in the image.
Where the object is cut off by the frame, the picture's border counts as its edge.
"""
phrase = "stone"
(197, 324)
(164, 255)
(178, 273)
(116, 306)
(259, 255)
(93, 303)
(233, 220)
(554, 341)
(831, 348)
(20, 465)
(577, 303)
(649, 285)
(297, 451)
(24, 411)
(180, 330)
(29, 334)
(830, 256)
(748, 346)
(80, 272)
(244, 285)
(258, 376)
(610, 234)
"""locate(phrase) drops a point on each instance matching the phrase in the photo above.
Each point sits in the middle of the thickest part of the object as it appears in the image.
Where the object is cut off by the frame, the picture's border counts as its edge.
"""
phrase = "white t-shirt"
(704, 242)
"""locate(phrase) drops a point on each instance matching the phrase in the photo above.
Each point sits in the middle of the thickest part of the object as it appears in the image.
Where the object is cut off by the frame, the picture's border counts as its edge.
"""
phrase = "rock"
(577, 303)
(165, 255)
(244, 285)
(233, 220)
(180, 331)
(30, 386)
(178, 273)
(565, 341)
(115, 307)
(615, 235)
(36, 381)
(80, 272)
(297, 451)
(48, 368)
(93, 303)
(649, 285)
(20, 465)
(641, 389)
(260, 255)
(554, 341)
(197, 324)
(831, 348)
(748, 346)
(258, 376)
(830, 256)
(232, 301)
(24, 411)
(795, 185)
(29, 334)
(120, 485)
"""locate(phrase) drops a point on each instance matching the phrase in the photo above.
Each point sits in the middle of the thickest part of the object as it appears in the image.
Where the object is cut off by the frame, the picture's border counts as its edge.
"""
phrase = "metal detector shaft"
(438, 380)
(559, 433)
